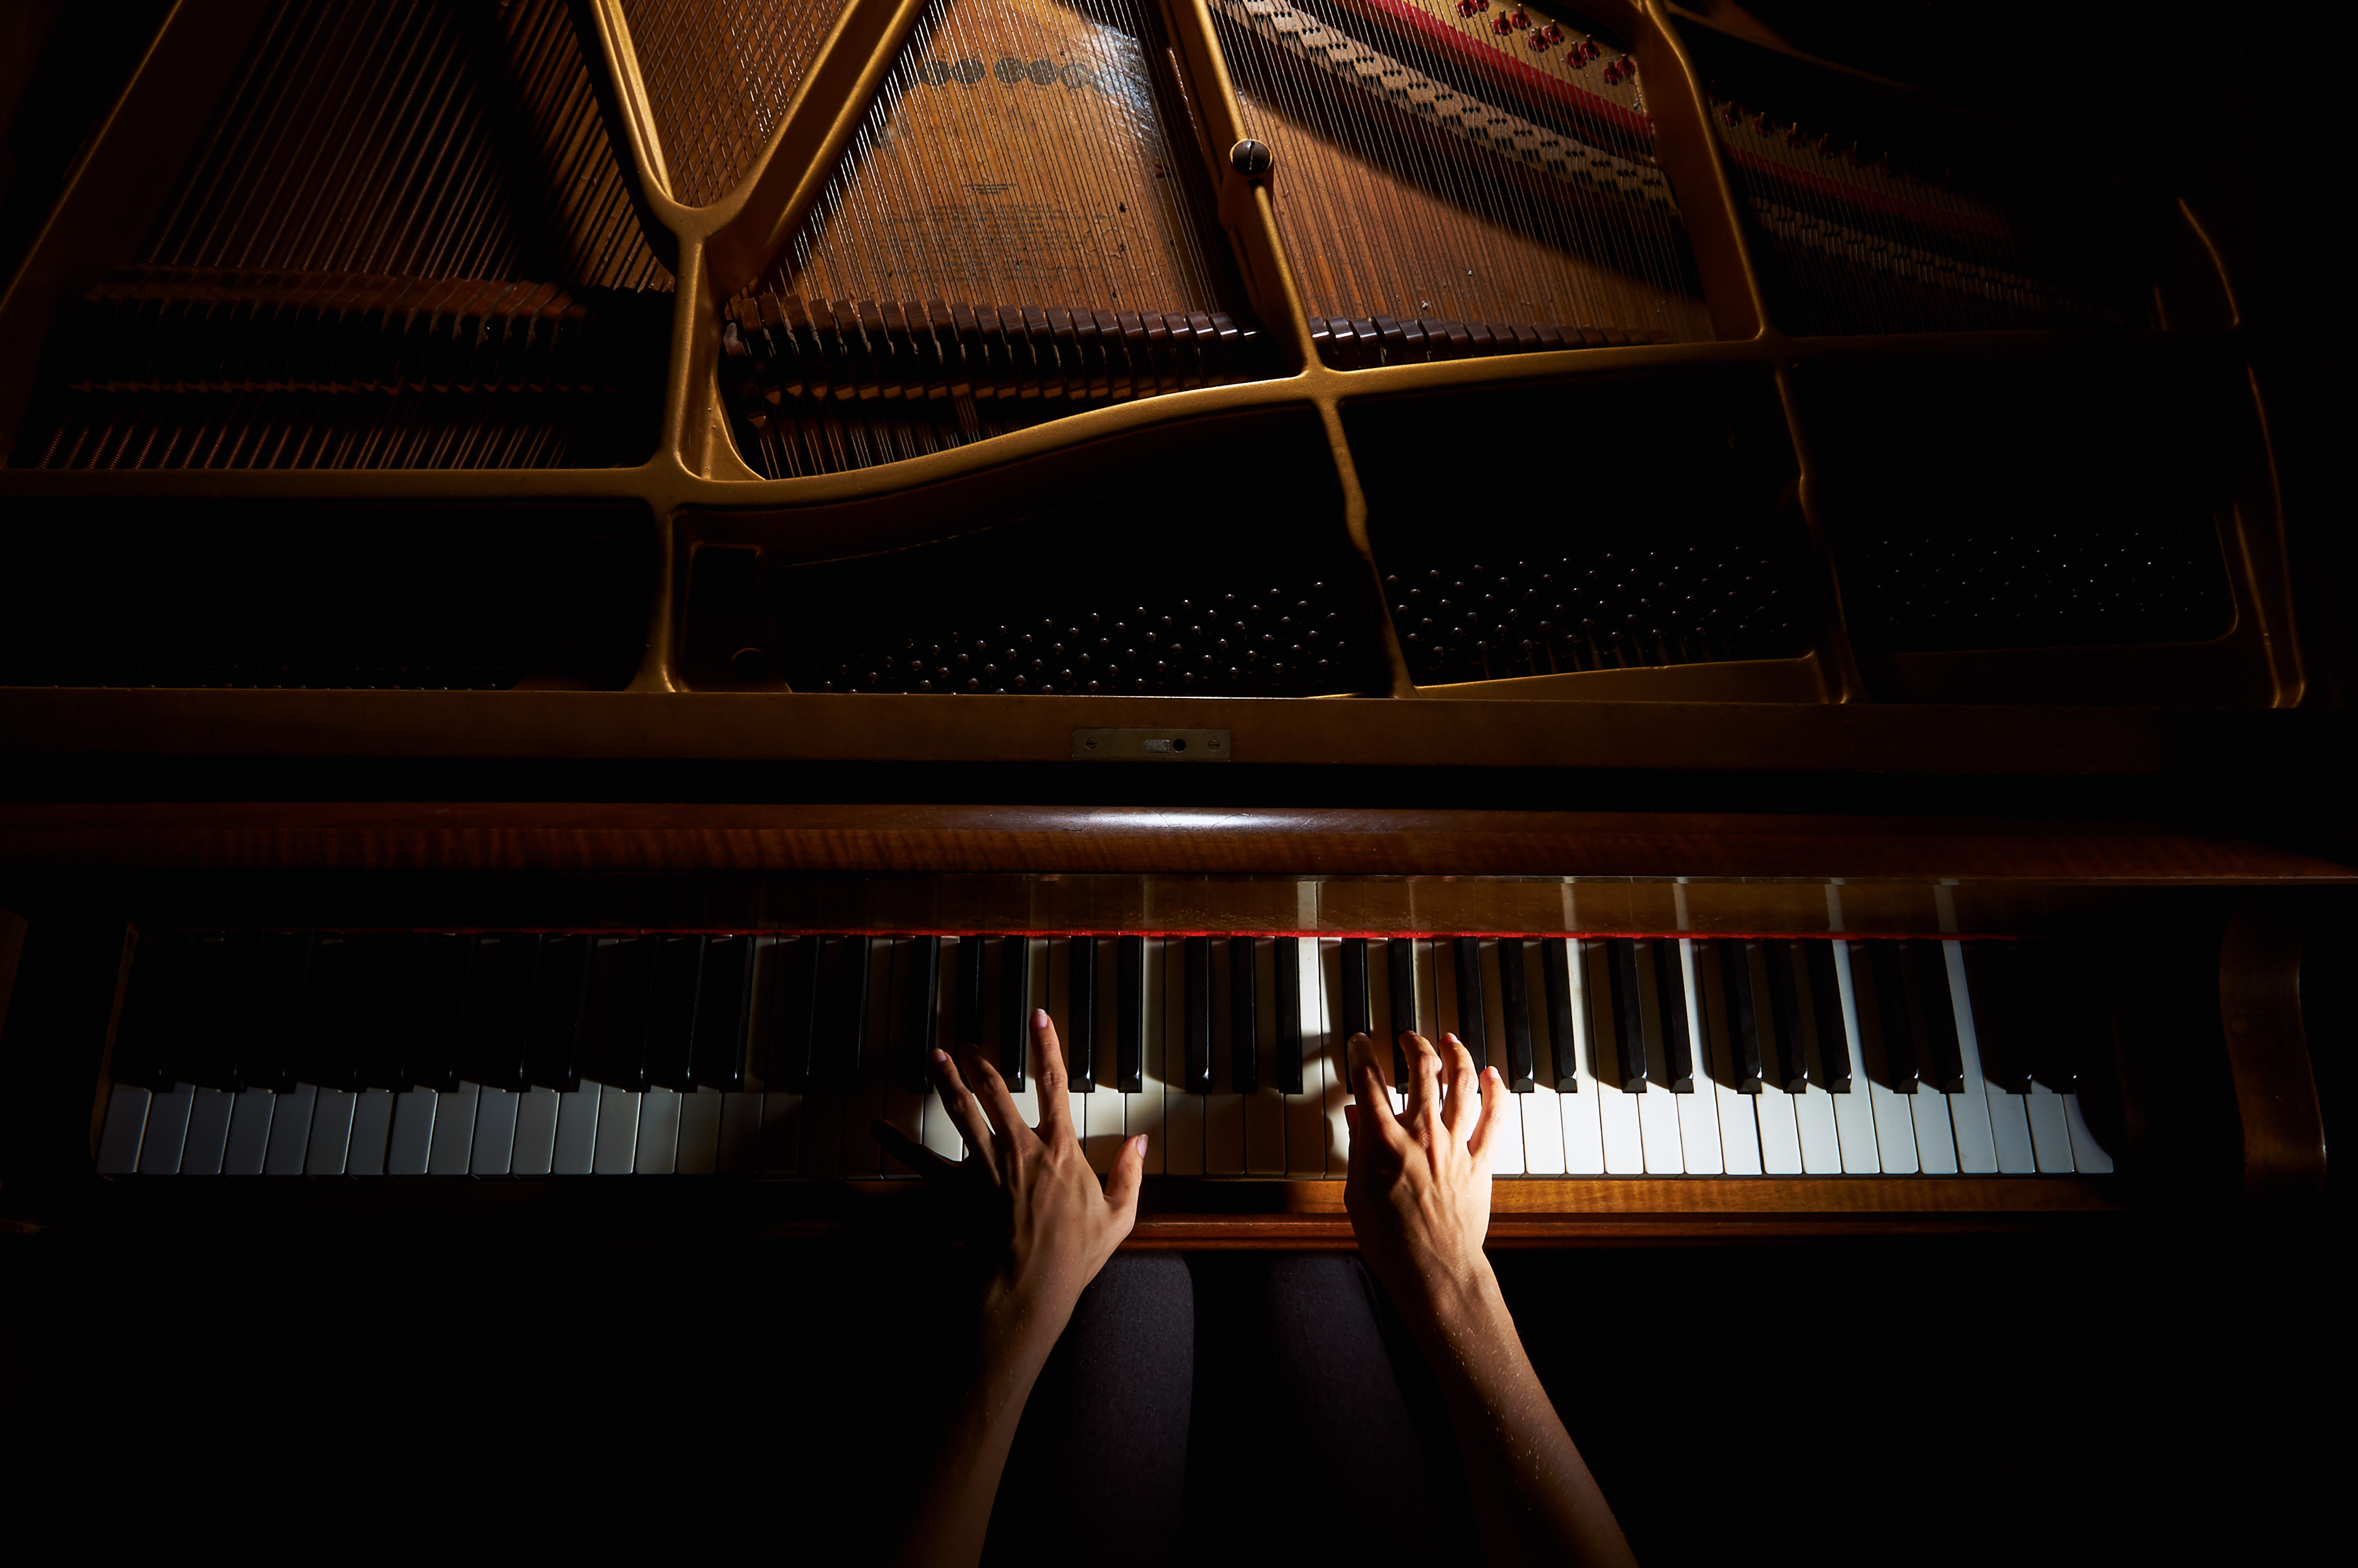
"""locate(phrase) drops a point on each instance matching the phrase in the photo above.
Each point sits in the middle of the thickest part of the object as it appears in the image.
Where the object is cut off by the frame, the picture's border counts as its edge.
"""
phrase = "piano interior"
(583, 583)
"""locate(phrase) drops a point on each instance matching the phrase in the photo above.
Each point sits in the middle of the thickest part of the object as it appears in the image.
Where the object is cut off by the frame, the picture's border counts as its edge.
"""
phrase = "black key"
(923, 1004)
(1885, 976)
(560, 984)
(1473, 1020)
(1288, 1046)
(335, 992)
(847, 1010)
(2064, 1014)
(969, 991)
(1831, 1071)
(1014, 1008)
(437, 1009)
(1196, 1045)
(671, 1011)
(1626, 1026)
(1081, 1015)
(1355, 1019)
(388, 1022)
(1994, 990)
(1791, 1070)
(1555, 981)
(794, 1039)
(221, 1001)
(1400, 970)
(1670, 998)
(724, 1002)
(153, 1011)
(498, 1021)
(1941, 1059)
(1129, 1014)
(614, 1026)
(1743, 1010)
(1244, 1018)
(1515, 1011)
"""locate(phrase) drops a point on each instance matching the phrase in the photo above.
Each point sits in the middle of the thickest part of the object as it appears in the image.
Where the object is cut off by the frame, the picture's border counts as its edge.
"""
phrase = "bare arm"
(1056, 1228)
(1419, 1196)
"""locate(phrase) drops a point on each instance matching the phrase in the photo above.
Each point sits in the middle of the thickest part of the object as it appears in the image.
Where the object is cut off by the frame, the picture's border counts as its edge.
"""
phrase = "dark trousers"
(1232, 1407)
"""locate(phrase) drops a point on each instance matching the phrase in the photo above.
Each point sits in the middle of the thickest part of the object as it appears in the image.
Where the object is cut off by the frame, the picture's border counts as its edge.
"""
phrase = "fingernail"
(1139, 1143)
(1039, 1018)
(940, 1054)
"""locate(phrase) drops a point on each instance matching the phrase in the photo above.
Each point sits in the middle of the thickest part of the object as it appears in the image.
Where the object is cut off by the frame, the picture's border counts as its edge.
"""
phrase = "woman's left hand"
(1042, 1205)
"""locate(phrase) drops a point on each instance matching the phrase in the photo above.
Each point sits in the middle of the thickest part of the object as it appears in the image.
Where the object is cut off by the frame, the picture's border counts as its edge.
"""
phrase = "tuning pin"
(1612, 75)
(1539, 42)
(1520, 20)
(1554, 33)
(1501, 23)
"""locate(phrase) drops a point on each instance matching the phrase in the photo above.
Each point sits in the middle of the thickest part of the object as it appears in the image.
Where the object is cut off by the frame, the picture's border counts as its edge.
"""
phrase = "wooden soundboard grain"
(1020, 153)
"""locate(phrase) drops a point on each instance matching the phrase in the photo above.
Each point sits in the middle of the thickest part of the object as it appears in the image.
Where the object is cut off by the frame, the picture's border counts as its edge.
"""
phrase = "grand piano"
(582, 585)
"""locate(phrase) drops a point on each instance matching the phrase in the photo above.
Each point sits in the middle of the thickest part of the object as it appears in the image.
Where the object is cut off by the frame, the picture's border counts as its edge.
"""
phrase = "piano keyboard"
(514, 1054)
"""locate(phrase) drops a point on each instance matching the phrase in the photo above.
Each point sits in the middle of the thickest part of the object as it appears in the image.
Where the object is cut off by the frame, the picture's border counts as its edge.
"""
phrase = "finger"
(1458, 1063)
(1048, 1067)
(997, 1103)
(1423, 1086)
(965, 1114)
(910, 1152)
(1123, 1182)
(1493, 1086)
(1368, 1084)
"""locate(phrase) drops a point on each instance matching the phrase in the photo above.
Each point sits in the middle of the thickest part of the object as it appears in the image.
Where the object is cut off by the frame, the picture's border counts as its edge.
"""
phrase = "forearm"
(1534, 1500)
(971, 1445)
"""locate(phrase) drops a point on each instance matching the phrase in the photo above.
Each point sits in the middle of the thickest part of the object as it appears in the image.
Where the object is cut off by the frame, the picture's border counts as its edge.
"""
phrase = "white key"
(658, 1151)
(782, 1132)
(1698, 1140)
(1507, 1157)
(1224, 1107)
(126, 1124)
(331, 1132)
(700, 1133)
(1657, 1108)
(411, 1148)
(821, 1151)
(249, 1134)
(1854, 1111)
(1780, 1136)
(1143, 1113)
(372, 1132)
(1969, 1112)
(2050, 1134)
(1895, 1118)
(168, 1131)
(454, 1131)
(1813, 1121)
(618, 1132)
(1103, 1125)
(1739, 1128)
(1307, 1121)
(207, 1140)
(1542, 1117)
(536, 1134)
(1936, 1143)
(1326, 956)
(2010, 1131)
(290, 1132)
(575, 1152)
(1583, 1140)
(741, 1134)
(2087, 1155)
(496, 1125)
(1182, 1110)
(1617, 1112)
(1264, 1108)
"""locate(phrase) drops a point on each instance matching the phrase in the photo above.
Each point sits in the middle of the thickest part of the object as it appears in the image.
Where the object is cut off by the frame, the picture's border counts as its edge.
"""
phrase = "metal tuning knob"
(1251, 159)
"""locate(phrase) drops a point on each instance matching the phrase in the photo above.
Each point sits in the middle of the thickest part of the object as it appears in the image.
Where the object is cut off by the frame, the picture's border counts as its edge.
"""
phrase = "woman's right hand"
(1419, 1187)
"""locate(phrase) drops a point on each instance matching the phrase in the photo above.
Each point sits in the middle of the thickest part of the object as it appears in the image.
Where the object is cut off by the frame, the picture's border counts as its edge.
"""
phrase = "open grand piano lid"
(956, 349)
